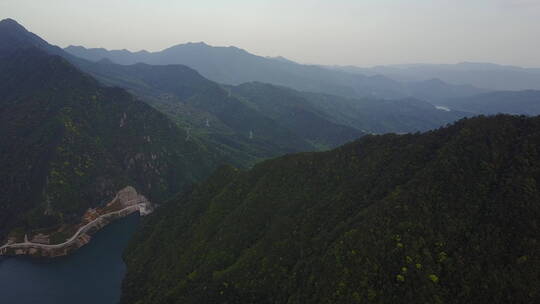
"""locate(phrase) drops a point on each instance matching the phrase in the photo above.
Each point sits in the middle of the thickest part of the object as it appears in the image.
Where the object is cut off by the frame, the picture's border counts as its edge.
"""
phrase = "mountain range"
(437, 84)
(233, 66)
(69, 143)
(224, 117)
(71, 118)
(241, 123)
(482, 75)
(309, 203)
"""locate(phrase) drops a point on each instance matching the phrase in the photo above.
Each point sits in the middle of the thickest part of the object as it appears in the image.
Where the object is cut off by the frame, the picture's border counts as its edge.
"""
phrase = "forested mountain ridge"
(69, 143)
(233, 66)
(333, 120)
(254, 121)
(197, 103)
(366, 114)
(205, 110)
(447, 216)
(212, 113)
(227, 115)
(15, 37)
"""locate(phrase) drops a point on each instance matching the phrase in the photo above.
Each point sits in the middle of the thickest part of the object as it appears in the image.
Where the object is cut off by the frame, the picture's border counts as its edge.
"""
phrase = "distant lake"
(93, 274)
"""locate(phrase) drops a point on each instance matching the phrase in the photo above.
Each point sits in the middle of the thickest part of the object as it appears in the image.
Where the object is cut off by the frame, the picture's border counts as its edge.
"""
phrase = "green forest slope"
(447, 216)
(69, 143)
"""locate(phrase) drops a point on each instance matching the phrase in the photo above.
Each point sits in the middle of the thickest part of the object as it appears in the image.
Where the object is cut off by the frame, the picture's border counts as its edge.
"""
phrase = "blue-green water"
(93, 274)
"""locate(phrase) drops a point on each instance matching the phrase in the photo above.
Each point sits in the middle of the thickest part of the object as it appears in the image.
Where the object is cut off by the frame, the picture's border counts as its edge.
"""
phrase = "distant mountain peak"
(281, 59)
(9, 21)
(142, 52)
(12, 26)
(14, 36)
(201, 43)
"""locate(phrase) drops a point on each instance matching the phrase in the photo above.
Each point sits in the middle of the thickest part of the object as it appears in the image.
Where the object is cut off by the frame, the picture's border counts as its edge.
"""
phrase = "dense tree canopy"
(448, 216)
(69, 143)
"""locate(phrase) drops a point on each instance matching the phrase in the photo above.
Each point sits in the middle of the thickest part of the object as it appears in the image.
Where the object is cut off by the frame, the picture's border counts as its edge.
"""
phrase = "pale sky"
(344, 32)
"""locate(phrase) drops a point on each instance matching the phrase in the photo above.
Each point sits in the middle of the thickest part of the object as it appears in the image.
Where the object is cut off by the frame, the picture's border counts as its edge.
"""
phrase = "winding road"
(141, 207)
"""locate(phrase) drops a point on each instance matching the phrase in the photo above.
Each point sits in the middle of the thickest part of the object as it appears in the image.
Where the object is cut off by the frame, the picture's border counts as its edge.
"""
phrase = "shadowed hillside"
(69, 143)
(447, 216)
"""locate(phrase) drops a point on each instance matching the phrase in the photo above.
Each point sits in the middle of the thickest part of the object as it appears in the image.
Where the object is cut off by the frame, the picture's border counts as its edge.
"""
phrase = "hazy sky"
(356, 32)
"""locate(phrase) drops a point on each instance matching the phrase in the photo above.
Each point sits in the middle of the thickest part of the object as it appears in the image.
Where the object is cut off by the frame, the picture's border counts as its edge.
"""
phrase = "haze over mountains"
(526, 102)
(481, 75)
(438, 84)
(235, 124)
(176, 89)
(231, 65)
(275, 181)
(70, 143)
(247, 122)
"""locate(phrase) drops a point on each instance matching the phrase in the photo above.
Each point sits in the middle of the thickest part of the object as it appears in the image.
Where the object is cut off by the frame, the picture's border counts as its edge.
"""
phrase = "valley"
(137, 167)
(167, 129)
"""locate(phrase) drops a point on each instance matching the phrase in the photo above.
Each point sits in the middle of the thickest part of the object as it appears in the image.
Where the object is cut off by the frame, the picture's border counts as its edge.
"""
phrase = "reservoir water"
(93, 274)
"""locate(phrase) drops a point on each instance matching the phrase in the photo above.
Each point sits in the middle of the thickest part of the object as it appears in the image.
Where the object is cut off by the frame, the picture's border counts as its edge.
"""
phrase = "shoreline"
(127, 197)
